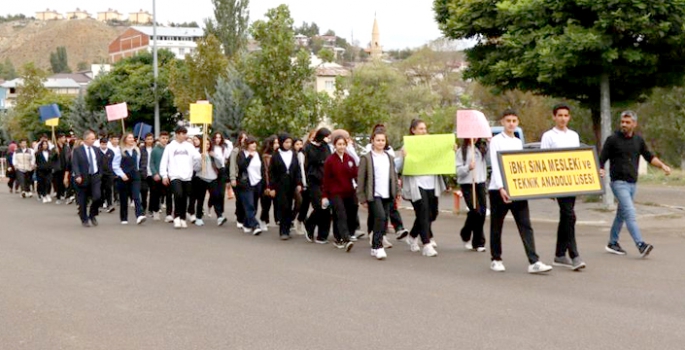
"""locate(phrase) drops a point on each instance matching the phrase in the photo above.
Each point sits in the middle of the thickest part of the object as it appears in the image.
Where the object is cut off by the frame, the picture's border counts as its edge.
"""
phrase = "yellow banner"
(429, 155)
(200, 113)
(52, 122)
(550, 173)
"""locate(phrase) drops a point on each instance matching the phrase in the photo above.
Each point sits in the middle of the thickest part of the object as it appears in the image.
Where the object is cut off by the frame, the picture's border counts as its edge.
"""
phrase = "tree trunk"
(596, 114)
(605, 106)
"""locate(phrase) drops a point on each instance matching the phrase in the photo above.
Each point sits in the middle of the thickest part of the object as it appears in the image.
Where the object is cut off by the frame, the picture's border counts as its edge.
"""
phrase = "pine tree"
(59, 61)
(80, 118)
(231, 100)
(230, 24)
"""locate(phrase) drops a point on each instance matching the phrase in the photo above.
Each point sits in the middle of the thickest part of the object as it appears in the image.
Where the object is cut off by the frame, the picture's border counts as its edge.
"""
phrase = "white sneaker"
(386, 243)
(246, 230)
(169, 219)
(380, 254)
(481, 249)
(199, 222)
(124, 222)
(141, 219)
(257, 231)
(184, 224)
(220, 221)
(298, 228)
(239, 225)
(192, 219)
(497, 266)
(177, 222)
(413, 244)
(49, 198)
(429, 251)
(468, 245)
(263, 226)
(434, 243)
(29, 194)
(155, 216)
(45, 200)
(539, 267)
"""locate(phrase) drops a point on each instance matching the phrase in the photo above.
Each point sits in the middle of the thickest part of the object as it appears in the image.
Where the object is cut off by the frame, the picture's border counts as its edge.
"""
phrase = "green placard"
(429, 155)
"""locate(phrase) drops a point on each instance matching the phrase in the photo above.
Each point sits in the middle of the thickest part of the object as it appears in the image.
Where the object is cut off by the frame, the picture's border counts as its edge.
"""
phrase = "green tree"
(662, 118)
(309, 30)
(80, 118)
(231, 101)
(7, 71)
(82, 66)
(195, 78)
(230, 24)
(572, 48)
(59, 61)
(284, 99)
(326, 55)
(131, 81)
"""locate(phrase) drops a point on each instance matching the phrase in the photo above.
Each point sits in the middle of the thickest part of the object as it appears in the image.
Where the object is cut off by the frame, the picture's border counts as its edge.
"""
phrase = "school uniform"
(44, 168)
(126, 162)
(377, 186)
(475, 219)
(284, 177)
(146, 182)
(250, 180)
(340, 173)
(320, 218)
(108, 177)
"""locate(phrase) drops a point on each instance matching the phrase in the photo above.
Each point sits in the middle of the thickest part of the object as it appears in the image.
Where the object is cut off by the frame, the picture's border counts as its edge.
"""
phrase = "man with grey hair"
(624, 149)
(86, 167)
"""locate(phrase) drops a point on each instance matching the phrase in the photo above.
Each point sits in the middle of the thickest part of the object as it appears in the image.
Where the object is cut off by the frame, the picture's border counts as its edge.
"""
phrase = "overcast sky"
(402, 24)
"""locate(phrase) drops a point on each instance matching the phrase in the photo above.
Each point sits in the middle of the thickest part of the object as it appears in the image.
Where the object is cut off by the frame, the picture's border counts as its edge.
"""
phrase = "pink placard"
(117, 111)
(472, 124)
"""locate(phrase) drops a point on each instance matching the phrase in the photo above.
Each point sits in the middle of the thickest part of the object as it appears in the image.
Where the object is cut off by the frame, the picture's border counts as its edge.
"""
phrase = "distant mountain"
(32, 41)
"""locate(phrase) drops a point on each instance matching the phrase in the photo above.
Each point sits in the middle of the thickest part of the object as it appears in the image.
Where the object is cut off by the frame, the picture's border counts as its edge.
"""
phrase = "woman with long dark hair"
(194, 204)
(233, 176)
(209, 181)
(249, 184)
(315, 157)
(284, 182)
(423, 191)
(298, 148)
(340, 173)
(44, 166)
(126, 165)
(306, 198)
(270, 146)
(472, 168)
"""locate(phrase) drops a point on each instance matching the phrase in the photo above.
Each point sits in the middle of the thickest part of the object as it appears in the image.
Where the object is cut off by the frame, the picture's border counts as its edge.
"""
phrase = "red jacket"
(338, 176)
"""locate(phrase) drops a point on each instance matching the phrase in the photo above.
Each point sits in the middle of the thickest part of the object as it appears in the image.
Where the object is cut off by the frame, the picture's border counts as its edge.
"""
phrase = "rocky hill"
(33, 41)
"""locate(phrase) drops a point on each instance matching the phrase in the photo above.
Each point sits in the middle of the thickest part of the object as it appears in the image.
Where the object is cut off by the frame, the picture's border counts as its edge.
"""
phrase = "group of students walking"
(314, 184)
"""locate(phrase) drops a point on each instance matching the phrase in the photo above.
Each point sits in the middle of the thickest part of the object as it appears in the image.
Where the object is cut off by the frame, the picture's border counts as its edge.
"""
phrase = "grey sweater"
(464, 174)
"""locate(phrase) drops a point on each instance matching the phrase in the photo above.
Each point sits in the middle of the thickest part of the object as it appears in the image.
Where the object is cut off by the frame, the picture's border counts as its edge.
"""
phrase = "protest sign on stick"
(472, 124)
(201, 113)
(117, 111)
(429, 155)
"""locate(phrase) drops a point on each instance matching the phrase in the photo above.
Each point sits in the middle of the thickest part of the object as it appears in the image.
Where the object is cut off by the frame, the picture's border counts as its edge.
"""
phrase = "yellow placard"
(429, 155)
(200, 113)
(550, 173)
(52, 122)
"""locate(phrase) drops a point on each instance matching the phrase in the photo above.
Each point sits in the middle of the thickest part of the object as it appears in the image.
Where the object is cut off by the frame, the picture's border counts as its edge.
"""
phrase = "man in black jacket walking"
(86, 167)
(107, 175)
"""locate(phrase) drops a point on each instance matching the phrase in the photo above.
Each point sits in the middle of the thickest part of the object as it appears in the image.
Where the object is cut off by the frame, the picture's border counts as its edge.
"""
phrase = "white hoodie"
(178, 161)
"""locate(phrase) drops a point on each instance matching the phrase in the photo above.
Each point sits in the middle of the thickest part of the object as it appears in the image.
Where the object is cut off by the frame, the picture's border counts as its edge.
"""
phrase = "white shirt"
(381, 175)
(45, 155)
(427, 182)
(287, 157)
(178, 161)
(254, 169)
(91, 156)
(555, 138)
(369, 147)
(501, 142)
(149, 153)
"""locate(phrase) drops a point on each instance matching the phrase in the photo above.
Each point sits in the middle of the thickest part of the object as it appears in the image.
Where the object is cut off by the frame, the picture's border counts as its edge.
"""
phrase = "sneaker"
(413, 244)
(285, 237)
(401, 234)
(497, 266)
(429, 251)
(299, 227)
(468, 245)
(220, 221)
(563, 261)
(49, 199)
(239, 224)
(45, 200)
(58, 202)
(645, 249)
(150, 215)
(30, 194)
(246, 230)
(71, 200)
(578, 263)
(263, 225)
(321, 241)
(155, 216)
(386, 243)
(359, 234)
(199, 222)
(614, 248)
(348, 246)
(481, 249)
(124, 222)
(434, 243)
(339, 244)
(539, 267)
(257, 231)
(141, 219)
(309, 235)
(380, 253)
(177, 222)
(353, 238)
(111, 209)
(169, 219)
(184, 224)
(192, 218)
(23, 195)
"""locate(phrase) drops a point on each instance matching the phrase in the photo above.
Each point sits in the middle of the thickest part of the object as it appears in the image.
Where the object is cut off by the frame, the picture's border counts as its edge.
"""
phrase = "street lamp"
(154, 68)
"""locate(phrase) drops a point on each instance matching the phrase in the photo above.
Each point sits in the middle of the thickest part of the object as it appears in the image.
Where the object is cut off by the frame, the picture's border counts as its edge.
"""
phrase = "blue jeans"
(624, 192)
(249, 199)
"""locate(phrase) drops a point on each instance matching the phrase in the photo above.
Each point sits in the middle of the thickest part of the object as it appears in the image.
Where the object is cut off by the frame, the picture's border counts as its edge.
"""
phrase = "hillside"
(33, 41)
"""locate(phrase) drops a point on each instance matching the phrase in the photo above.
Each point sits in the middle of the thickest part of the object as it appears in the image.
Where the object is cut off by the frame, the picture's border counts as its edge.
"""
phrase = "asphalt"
(152, 287)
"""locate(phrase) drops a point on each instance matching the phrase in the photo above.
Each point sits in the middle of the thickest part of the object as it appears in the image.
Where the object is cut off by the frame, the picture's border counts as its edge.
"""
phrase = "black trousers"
(89, 188)
(196, 186)
(58, 184)
(129, 190)
(266, 202)
(239, 207)
(319, 218)
(25, 179)
(145, 189)
(284, 209)
(379, 210)
(303, 210)
(200, 190)
(44, 182)
(344, 216)
(393, 215)
(106, 189)
(519, 209)
(426, 210)
(181, 191)
(475, 219)
(566, 232)
(157, 192)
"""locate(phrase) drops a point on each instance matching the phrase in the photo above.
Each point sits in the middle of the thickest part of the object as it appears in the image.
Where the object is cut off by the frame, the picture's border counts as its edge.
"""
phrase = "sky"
(400, 26)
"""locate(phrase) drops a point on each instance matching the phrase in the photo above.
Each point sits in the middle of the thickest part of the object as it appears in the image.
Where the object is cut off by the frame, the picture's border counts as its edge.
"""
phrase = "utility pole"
(154, 68)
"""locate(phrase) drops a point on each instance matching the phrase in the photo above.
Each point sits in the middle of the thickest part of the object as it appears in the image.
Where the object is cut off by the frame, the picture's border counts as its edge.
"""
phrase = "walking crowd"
(310, 186)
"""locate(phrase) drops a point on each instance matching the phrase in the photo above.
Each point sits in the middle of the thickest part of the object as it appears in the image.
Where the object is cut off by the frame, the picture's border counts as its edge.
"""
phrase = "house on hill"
(110, 15)
(78, 14)
(140, 17)
(48, 15)
(179, 40)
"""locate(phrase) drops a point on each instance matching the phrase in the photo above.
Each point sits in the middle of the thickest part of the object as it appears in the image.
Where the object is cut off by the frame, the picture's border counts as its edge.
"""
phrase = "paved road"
(114, 287)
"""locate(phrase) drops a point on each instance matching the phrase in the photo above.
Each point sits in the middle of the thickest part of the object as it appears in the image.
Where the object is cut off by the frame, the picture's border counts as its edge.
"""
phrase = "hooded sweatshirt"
(178, 161)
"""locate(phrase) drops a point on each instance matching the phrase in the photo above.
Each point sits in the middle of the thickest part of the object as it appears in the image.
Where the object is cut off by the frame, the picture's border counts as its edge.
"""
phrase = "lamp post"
(154, 68)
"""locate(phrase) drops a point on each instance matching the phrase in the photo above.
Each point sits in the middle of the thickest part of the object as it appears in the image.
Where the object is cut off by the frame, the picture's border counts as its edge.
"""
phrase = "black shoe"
(110, 209)
(85, 224)
(645, 249)
(339, 244)
(348, 246)
(309, 235)
(94, 221)
(402, 234)
(614, 248)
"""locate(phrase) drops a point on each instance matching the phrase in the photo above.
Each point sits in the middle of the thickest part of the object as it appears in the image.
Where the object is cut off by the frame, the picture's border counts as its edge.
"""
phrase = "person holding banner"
(179, 160)
(560, 136)
(24, 162)
(86, 166)
(501, 204)
(126, 166)
(623, 149)
(423, 191)
(222, 149)
(472, 168)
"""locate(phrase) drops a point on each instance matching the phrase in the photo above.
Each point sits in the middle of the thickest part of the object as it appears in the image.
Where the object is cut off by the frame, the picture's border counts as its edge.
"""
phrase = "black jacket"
(243, 161)
(282, 178)
(108, 157)
(624, 154)
(144, 155)
(315, 158)
(79, 164)
(43, 164)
